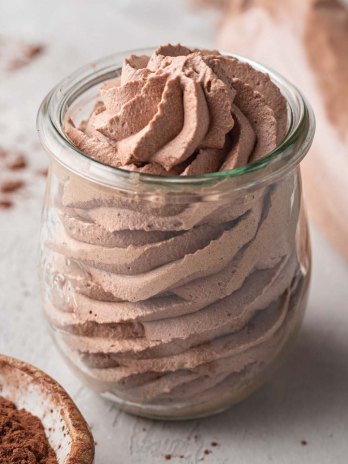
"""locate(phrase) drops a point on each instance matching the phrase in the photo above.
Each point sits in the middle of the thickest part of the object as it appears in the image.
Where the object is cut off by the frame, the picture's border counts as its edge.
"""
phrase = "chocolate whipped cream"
(183, 112)
(165, 302)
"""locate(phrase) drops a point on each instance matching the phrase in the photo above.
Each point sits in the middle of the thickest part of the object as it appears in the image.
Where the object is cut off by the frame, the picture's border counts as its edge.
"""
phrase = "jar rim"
(271, 166)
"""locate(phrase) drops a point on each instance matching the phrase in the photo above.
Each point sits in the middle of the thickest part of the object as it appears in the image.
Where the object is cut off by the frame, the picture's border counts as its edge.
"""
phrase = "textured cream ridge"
(181, 301)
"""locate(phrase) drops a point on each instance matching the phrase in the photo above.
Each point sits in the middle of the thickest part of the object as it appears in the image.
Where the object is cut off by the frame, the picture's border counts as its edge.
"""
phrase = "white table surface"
(308, 399)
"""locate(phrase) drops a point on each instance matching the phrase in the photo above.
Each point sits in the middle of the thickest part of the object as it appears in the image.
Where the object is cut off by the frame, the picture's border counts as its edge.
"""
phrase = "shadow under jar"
(175, 297)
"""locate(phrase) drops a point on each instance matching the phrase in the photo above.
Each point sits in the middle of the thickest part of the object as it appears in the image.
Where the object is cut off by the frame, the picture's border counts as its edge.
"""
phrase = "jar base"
(189, 411)
(252, 381)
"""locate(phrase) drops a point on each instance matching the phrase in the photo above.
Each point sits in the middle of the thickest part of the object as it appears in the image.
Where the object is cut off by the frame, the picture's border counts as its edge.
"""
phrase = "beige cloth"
(307, 41)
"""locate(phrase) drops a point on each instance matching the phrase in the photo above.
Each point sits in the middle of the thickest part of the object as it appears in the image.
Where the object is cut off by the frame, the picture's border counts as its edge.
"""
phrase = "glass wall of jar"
(175, 297)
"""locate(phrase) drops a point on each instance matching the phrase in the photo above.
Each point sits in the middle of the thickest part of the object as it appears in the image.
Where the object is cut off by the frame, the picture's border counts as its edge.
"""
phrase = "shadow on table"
(312, 386)
(307, 389)
(309, 393)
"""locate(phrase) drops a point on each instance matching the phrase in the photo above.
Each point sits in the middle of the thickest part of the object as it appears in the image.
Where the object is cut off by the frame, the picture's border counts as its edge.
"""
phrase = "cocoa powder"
(5, 204)
(13, 165)
(17, 162)
(16, 54)
(22, 437)
(11, 186)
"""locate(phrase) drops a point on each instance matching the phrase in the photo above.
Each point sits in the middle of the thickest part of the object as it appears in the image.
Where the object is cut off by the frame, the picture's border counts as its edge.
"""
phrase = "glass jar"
(175, 297)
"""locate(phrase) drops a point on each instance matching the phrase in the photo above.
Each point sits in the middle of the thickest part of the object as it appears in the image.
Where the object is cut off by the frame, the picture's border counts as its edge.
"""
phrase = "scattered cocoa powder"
(5, 204)
(16, 53)
(22, 437)
(43, 172)
(13, 167)
(168, 457)
(17, 162)
(23, 56)
(13, 158)
(12, 164)
(15, 63)
(11, 186)
(32, 51)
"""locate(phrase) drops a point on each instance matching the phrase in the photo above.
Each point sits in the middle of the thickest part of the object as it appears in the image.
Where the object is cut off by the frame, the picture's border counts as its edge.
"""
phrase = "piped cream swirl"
(183, 112)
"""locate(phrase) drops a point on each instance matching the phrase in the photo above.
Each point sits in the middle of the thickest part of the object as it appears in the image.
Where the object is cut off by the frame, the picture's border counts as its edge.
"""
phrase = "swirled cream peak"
(183, 112)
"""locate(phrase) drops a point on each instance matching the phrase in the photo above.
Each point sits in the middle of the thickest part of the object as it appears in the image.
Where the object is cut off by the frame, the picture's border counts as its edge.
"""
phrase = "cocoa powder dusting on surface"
(15, 54)
(22, 437)
(32, 51)
(6, 204)
(11, 186)
(18, 162)
(13, 170)
(12, 159)
(43, 172)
